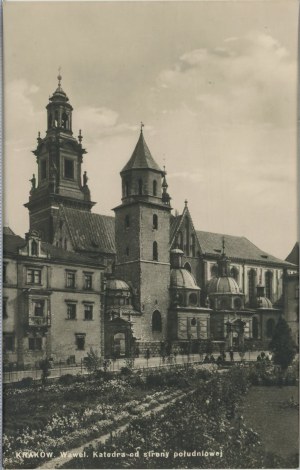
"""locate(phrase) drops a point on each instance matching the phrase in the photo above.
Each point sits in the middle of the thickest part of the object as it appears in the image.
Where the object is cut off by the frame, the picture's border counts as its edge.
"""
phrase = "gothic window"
(71, 311)
(155, 251)
(251, 284)
(193, 245)
(35, 344)
(187, 266)
(193, 299)
(180, 240)
(268, 284)
(187, 236)
(154, 188)
(88, 312)
(8, 342)
(214, 270)
(234, 272)
(155, 221)
(156, 321)
(127, 221)
(64, 121)
(80, 341)
(43, 169)
(70, 279)
(270, 326)
(69, 168)
(33, 276)
(255, 328)
(140, 187)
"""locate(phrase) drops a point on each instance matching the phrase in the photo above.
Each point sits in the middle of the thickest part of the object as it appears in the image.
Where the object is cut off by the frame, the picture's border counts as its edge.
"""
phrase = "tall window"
(38, 308)
(126, 188)
(127, 221)
(214, 270)
(268, 284)
(154, 188)
(50, 120)
(193, 245)
(88, 281)
(155, 251)
(156, 321)
(80, 341)
(180, 240)
(140, 187)
(155, 221)
(69, 168)
(4, 272)
(251, 284)
(56, 119)
(8, 342)
(88, 312)
(35, 344)
(34, 248)
(234, 272)
(33, 276)
(70, 279)
(64, 121)
(71, 311)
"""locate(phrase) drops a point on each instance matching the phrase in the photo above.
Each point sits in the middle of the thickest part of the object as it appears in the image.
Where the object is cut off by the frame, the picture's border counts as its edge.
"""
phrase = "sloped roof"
(141, 157)
(8, 231)
(174, 224)
(235, 247)
(12, 243)
(91, 232)
(293, 257)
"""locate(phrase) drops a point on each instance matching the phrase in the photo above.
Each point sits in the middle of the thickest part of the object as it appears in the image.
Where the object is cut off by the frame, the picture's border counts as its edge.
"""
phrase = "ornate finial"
(59, 77)
(80, 136)
(142, 125)
(186, 203)
(223, 245)
(39, 137)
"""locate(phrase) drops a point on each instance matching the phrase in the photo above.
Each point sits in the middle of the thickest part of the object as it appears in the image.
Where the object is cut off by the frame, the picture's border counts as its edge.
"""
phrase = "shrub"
(126, 371)
(67, 379)
(26, 382)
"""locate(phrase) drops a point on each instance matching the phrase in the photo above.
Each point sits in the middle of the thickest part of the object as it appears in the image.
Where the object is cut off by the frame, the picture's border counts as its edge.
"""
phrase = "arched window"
(34, 248)
(156, 321)
(50, 120)
(56, 119)
(224, 304)
(140, 187)
(255, 328)
(251, 284)
(234, 272)
(193, 321)
(154, 188)
(127, 221)
(180, 240)
(187, 266)
(126, 188)
(155, 251)
(270, 326)
(155, 221)
(237, 303)
(268, 284)
(193, 245)
(214, 270)
(64, 121)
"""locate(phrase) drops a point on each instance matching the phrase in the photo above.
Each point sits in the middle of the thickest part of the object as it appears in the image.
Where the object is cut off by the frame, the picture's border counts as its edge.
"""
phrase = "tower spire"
(59, 77)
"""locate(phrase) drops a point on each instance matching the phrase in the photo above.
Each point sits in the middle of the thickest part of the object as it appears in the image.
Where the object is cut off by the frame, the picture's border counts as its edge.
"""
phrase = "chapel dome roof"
(223, 285)
(263, 302)
(117, 284)
(182, 278)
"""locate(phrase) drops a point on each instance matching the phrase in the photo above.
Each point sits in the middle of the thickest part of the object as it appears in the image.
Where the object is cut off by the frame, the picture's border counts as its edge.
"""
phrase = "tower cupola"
(59, 111)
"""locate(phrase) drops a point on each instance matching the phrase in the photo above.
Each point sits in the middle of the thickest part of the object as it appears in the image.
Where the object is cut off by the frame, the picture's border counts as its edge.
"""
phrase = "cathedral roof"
(293, 257)
(264, 303)
(236, 248)
(117, 284)
(8, 231)
(141, 158)
(90, 232)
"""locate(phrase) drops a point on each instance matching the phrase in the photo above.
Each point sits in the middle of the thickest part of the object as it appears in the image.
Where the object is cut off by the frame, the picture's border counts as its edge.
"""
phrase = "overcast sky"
(214, 82)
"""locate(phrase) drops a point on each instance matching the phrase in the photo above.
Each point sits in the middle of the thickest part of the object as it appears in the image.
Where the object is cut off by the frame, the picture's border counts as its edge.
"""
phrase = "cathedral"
(162, 282)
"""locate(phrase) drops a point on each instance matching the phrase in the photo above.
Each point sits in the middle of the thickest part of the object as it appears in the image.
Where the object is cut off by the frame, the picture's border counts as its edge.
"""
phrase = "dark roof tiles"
(141, 158)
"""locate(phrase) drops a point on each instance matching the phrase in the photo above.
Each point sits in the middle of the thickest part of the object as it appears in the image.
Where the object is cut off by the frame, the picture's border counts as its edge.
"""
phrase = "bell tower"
(59, 157)
(142, 240)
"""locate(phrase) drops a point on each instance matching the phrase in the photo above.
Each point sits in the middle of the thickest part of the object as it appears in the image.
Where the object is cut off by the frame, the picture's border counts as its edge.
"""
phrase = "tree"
(282, 345)
(92, 361)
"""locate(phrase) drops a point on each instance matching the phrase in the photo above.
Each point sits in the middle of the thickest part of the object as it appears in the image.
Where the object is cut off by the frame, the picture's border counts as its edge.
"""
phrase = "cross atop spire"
(142, 125)
(59, 77)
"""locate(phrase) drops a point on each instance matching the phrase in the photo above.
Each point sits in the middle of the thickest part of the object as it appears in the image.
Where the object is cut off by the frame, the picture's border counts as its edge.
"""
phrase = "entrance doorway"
(119, 344)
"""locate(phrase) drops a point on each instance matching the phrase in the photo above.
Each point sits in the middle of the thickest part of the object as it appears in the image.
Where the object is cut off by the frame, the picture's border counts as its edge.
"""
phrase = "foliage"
(26, 382)
(67, 379)
(282, 345)
(92, 361)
